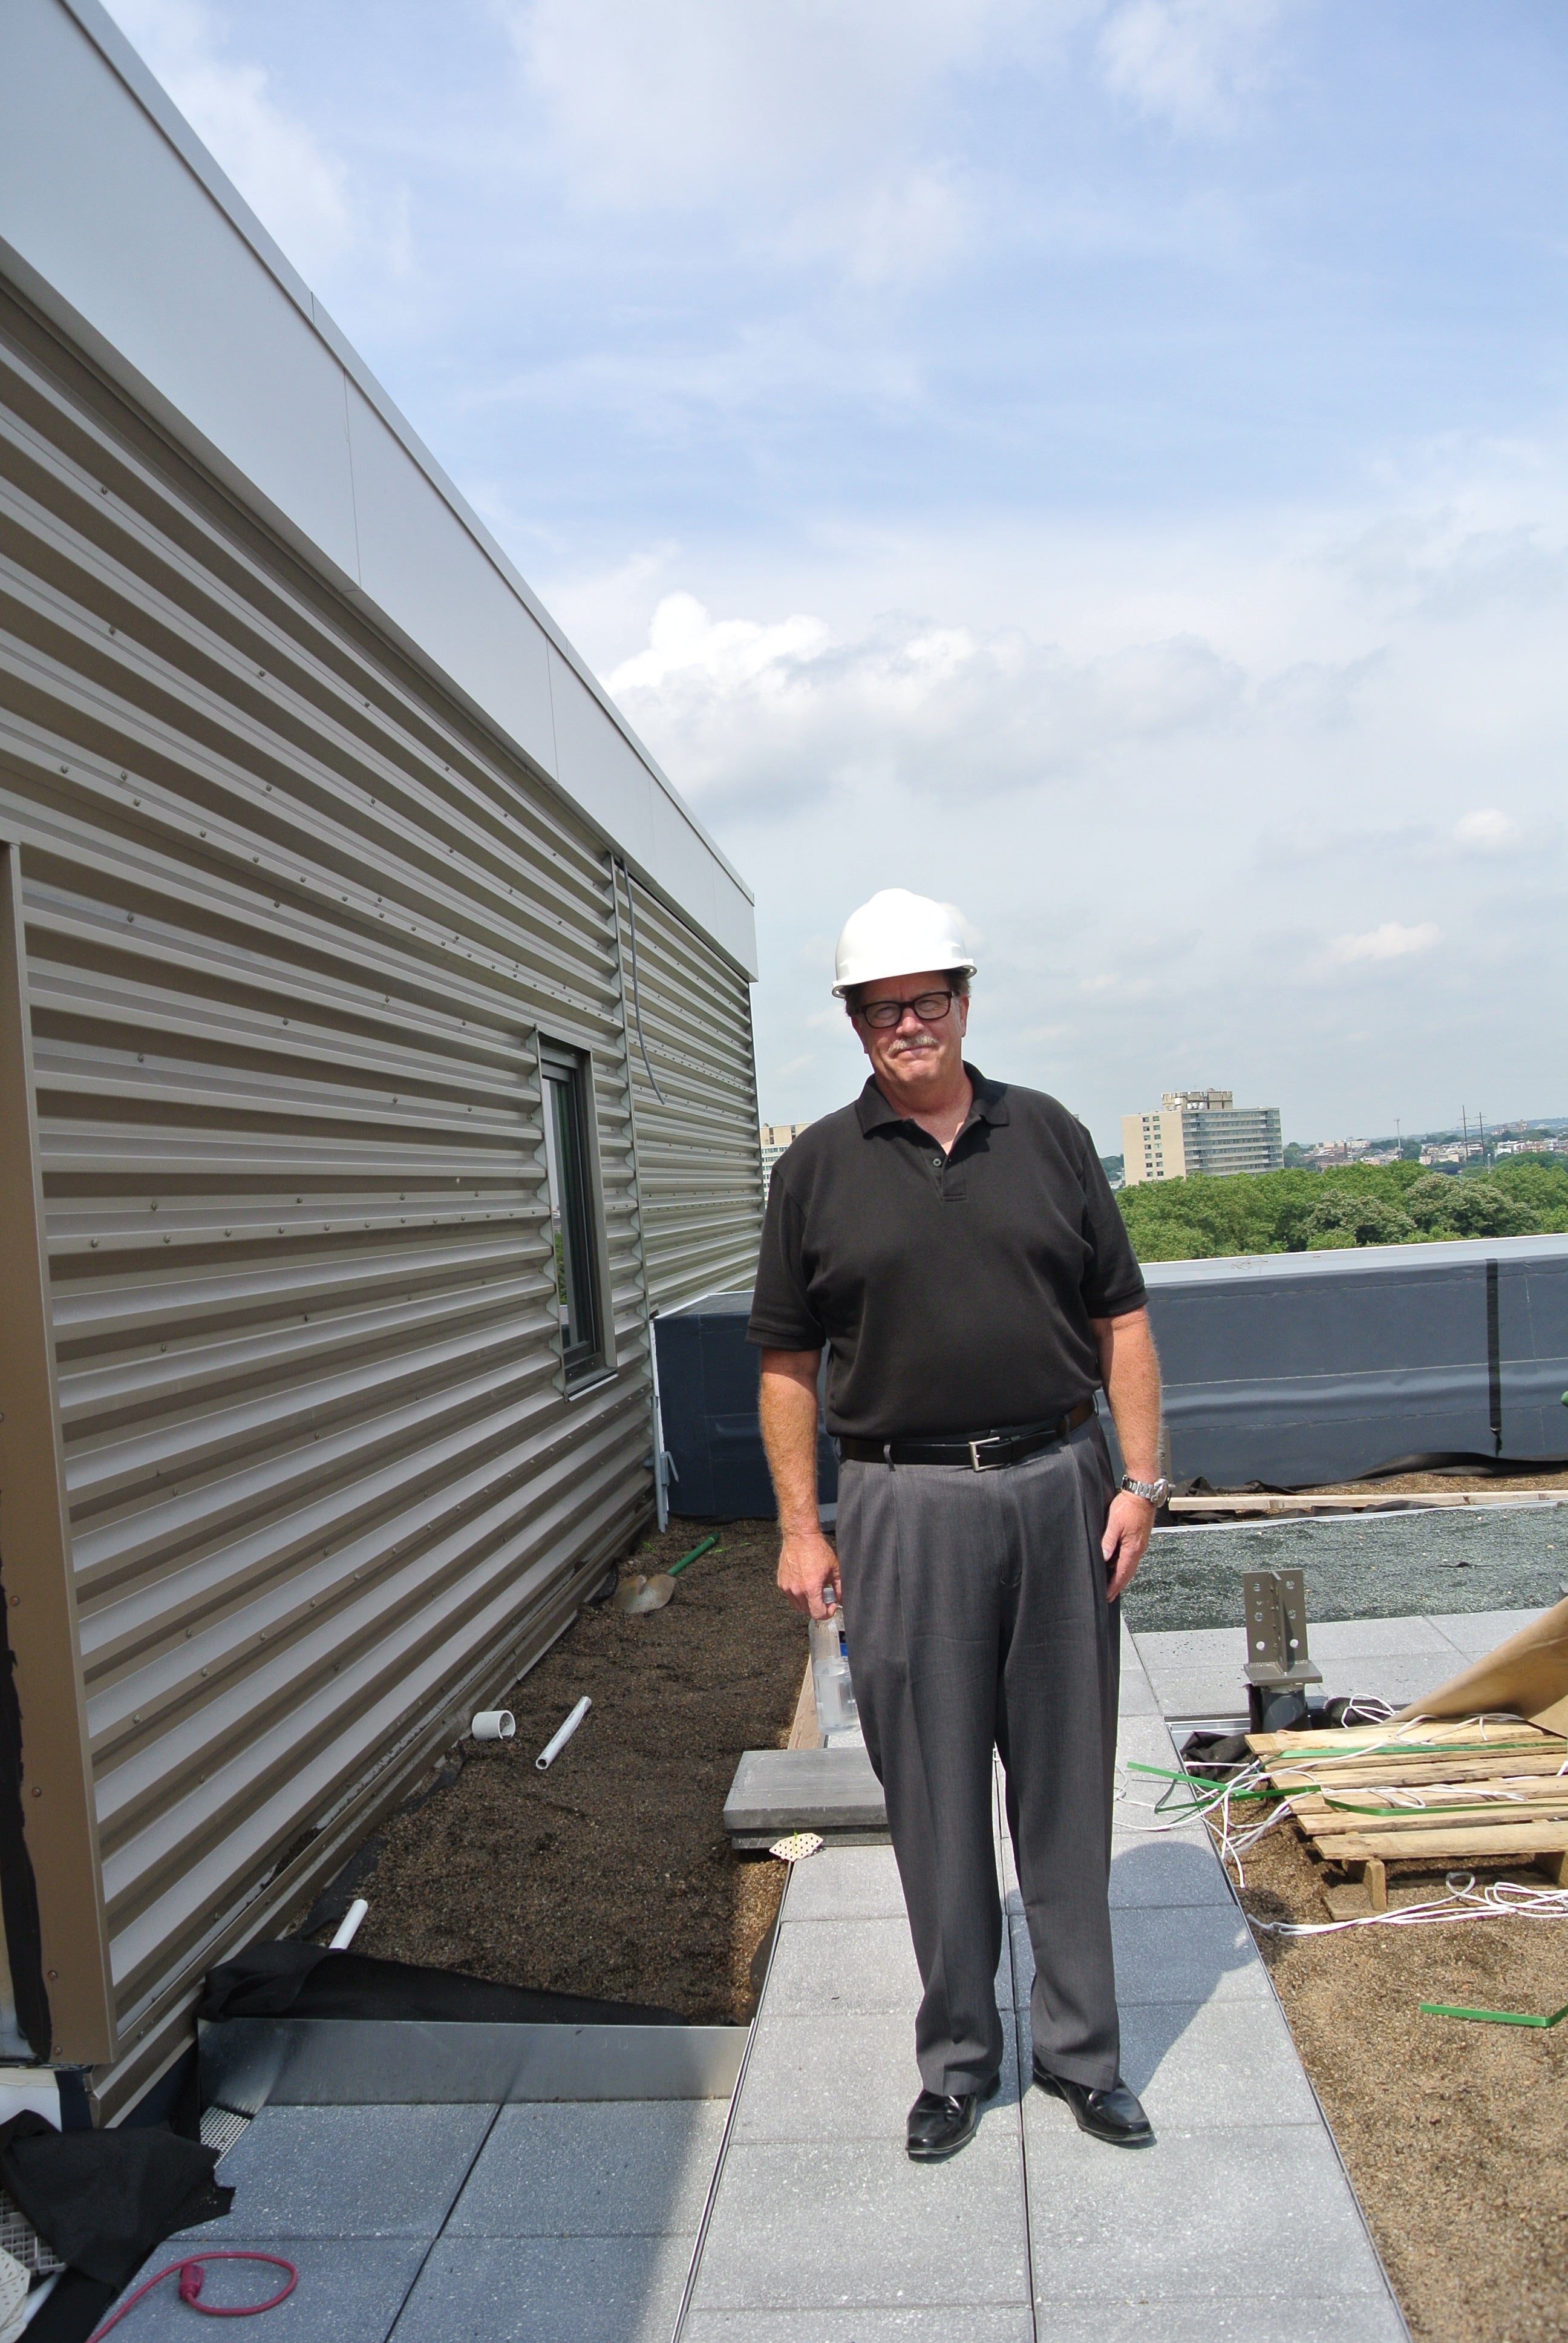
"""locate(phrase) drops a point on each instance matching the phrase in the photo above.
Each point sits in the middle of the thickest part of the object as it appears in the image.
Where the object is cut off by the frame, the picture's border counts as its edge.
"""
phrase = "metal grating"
(699, 1149)
(294, 926)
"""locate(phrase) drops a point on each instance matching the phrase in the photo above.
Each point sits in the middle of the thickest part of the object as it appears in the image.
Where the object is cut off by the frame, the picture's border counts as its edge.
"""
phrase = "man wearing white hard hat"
(954, 1246)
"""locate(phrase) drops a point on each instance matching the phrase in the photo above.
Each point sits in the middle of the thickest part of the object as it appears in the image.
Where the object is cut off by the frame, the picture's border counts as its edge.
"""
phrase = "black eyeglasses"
(930, 1007)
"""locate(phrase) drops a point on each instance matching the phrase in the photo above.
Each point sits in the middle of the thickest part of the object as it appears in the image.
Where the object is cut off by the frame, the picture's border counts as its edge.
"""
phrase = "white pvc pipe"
(348, 1928)
(493, 1725)
(553, 1748)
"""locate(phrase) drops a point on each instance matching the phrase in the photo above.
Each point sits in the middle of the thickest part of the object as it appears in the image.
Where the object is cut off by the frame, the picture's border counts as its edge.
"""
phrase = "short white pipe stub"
(348, 1926)
(493, 1724)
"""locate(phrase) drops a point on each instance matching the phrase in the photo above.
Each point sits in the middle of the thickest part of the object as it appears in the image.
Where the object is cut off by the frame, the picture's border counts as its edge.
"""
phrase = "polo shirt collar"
(989, 1103)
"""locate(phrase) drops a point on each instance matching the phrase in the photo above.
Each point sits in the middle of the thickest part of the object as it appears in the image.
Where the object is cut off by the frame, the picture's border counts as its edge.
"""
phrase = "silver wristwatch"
(1153, 1492)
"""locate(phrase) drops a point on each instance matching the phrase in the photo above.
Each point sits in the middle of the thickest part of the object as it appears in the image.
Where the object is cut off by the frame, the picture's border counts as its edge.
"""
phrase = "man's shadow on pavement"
(1179, 1936)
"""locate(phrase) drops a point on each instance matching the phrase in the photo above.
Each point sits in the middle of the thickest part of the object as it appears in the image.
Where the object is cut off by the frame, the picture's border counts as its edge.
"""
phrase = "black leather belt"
(986, 1454)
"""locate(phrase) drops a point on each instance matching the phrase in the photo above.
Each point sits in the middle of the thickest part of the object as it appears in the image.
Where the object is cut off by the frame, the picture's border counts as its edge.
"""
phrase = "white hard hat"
(899, 934)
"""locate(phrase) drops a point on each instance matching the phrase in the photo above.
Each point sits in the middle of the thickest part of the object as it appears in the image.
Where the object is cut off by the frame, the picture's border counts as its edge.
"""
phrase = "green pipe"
(675, 1567)
(1493, 2016)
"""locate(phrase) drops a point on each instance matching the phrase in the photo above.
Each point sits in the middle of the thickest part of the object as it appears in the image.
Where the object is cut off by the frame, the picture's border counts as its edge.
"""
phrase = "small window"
(574, 1217)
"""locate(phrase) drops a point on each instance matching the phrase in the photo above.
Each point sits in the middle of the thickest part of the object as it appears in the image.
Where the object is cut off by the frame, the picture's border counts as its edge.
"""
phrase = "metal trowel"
(637, 1594)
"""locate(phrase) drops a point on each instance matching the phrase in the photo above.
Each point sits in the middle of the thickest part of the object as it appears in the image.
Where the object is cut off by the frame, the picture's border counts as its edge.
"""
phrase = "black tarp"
(1295, 1369)
(1285, 1370)
(300, 1980)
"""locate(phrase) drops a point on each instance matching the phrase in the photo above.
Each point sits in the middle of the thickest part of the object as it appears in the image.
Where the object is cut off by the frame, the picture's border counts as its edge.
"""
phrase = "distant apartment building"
(1200, 1131)
(775, 1138)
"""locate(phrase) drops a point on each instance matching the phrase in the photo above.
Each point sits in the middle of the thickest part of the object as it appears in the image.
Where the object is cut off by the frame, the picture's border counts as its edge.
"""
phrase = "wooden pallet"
(1374, 1795)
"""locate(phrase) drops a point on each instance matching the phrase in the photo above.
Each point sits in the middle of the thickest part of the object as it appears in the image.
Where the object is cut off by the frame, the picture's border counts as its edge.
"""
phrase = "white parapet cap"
(117, 224)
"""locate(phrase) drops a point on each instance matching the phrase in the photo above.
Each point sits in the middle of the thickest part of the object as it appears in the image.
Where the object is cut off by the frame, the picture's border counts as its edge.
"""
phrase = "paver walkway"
(1239, 2223)
(579, 2224)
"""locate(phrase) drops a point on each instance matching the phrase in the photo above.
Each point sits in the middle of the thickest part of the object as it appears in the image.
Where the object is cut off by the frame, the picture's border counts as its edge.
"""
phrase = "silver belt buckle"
(976, 1445)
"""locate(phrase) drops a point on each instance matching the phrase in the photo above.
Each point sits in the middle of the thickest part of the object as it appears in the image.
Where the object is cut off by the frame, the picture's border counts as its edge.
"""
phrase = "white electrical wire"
(1211, 1803)
(1501, 1899)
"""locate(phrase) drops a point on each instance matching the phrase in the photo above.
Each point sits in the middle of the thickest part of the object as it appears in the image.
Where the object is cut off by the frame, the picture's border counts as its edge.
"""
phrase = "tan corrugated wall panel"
(699, 1143)
(293, 927)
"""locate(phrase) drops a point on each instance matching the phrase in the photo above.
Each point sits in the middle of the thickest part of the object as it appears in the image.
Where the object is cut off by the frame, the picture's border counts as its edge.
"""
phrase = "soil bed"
(1456, 2135)
(610, 1875)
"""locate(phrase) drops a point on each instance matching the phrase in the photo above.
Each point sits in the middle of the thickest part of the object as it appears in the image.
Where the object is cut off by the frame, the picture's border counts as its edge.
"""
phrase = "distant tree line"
(1200, 1218)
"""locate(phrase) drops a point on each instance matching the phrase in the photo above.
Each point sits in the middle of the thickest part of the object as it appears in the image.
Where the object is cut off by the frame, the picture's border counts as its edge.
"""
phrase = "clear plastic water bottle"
(835, 1694)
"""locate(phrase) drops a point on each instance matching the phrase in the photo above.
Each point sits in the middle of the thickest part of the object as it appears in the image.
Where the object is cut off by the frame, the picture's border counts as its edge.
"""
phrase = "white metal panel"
(439, 586)
(599, 768)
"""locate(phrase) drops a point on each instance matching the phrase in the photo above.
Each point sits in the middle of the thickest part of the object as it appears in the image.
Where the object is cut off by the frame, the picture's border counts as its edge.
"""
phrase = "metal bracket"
(1279, 1666)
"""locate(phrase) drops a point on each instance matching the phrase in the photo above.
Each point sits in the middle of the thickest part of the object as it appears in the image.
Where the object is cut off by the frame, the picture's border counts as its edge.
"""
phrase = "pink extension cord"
(190, 2288)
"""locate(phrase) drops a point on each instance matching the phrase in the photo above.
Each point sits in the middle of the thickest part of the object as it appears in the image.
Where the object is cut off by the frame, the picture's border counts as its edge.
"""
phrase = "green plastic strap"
(1493, 2016)
(1200, 1790)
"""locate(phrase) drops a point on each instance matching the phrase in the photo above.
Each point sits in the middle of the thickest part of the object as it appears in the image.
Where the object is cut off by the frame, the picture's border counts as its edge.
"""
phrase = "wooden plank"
(805, 1733)
(1300, 1781)
(1526, 1839)
(1320, 1501)
(1330, 1823)
(1543, 1792)
(1431, 1732)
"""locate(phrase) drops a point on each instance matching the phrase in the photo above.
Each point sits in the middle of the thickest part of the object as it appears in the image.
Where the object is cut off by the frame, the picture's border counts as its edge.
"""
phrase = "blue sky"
(1102, 462)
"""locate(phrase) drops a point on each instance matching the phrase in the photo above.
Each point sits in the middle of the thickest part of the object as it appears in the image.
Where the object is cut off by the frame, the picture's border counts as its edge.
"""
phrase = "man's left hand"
(1127, 1528)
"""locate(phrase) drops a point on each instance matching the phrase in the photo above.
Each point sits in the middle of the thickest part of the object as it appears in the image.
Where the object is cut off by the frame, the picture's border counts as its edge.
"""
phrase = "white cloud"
(1190, 62)
(778, 714)
(1488, 830)
(1389, 941)
(298, 189)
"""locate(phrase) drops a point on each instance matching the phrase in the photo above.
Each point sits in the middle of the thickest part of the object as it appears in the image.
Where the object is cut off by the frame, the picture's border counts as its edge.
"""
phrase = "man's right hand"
(806, 1564)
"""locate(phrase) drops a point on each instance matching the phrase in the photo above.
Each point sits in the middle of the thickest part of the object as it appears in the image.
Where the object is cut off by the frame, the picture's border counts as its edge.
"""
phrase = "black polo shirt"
(952, 1293)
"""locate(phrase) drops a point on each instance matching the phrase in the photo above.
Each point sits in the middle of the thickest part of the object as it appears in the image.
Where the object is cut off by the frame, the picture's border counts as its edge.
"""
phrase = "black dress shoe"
(940, 2127)
(1115, 2115)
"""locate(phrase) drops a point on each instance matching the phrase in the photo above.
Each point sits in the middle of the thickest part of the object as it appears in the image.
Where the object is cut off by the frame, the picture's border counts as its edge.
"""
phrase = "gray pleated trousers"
(976, 1616)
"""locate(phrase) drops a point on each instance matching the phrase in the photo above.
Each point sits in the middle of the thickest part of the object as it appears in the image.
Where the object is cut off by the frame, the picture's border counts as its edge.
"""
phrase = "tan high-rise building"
(1200, 1131)
(775, 1138)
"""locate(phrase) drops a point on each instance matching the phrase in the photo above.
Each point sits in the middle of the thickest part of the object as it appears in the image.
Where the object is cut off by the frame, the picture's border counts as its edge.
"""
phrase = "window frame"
(584, 1262)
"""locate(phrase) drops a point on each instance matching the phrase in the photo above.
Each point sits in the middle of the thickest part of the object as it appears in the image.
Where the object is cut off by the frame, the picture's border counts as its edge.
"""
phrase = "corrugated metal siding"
(292, 929)
(699, 1149)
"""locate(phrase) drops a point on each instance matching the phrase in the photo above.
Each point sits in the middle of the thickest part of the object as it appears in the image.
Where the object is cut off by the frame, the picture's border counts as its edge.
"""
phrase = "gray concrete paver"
(1199, 1952)
(614, 2168)
(853, 1967)
(547, 2290)
(832, 2224)
(1216, 2212)
(854, 2082)
(1359, 1639)
(1202, 2064)
(926, 2323)
(349, 2172)
(350, 2289)
(847, 1883)
(1225, 2319)
(1166, 1868)
(1474, 1634)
